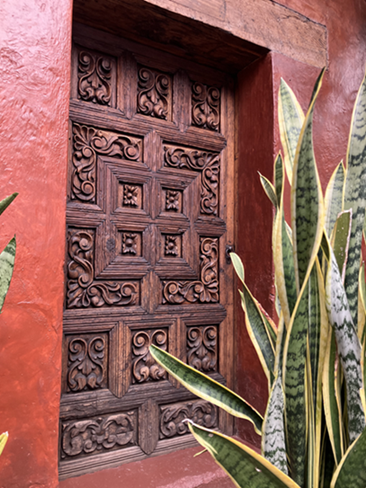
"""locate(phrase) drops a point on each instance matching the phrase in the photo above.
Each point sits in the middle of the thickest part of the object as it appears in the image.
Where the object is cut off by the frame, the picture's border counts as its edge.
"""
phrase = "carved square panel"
(130, 195)
(172, 417)
(202, 347)
(131, 244)
(172, 245)
(173, 201)
(206, 106)
(154, 93)
(144, 367)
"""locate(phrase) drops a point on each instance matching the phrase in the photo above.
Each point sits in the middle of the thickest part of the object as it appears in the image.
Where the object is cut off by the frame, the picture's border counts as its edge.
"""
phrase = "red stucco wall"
(34, 90)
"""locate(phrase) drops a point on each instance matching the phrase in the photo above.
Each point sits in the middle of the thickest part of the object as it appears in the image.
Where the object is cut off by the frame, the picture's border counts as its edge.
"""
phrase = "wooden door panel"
(148, 221)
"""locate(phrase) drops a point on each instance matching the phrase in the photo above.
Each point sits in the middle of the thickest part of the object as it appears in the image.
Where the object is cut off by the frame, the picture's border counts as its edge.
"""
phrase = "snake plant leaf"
(245, 467)
(349, 348)
(270, 325)
(269, 190)
(333, 199)
(314, 329)
(7, 258)
(355, 195)
(342, 233)
(280, 345)
(3, 439)
(258, 333)
(291, 118)
(317, 85)
(278, 177)
(207, 388)
(307, 212)
(273, 434)
(4, 204)
(238, 266)
(361, 332)
(351, 472)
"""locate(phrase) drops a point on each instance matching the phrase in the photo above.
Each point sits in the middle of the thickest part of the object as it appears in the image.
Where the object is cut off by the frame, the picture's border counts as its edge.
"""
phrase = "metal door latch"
(228, 250)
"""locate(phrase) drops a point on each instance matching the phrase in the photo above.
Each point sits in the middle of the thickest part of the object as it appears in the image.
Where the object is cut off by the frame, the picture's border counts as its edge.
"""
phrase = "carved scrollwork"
(205, 106)
(206, 162)
(82, 291)
(94, 75)
(88, 143)
(95, 435)
(153, 93)
(201, 348)
(144, 367)
(173, 416)
(85, 362)
(204, 291)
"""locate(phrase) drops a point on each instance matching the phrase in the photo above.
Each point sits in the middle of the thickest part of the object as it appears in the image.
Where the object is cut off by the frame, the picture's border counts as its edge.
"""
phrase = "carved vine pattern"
(153, 93)
(90, 142)
(82, 290)
(204, 291)
(102, 434)
(173, 416)
(144, 367)
(86, 363)
(205, 106)
(201, 348)
(206, 162)
(95, 73)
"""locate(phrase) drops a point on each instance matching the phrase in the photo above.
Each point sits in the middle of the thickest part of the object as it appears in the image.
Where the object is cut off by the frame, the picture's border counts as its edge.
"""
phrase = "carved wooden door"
(149, 216)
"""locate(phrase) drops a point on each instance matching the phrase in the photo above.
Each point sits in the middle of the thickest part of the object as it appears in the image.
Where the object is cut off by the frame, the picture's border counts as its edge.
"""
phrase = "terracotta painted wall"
(34, 90)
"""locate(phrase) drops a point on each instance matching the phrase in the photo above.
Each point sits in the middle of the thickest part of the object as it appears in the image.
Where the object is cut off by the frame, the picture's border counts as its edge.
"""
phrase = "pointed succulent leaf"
(341, 237)
(7, 258)
(238, 266)
(291, 118)
(269, 190)
(270, 325)
(245, 467)
(4, 204)
(278, 177)
(317, 86)
(207, 388)
(333, 200)
(355, 195)
(3, 439)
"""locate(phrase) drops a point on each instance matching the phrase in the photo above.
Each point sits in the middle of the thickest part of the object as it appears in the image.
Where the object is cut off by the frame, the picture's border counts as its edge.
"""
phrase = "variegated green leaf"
(342, 232)
(245, 467)
(361, 332)
(349, 348)
(238, 266)
(291, 118)
(4, 204)
(333, 200)
(207, 388)
(278, 177)
(269, 190)
(355, 195)
(7, 258)
(314, 330)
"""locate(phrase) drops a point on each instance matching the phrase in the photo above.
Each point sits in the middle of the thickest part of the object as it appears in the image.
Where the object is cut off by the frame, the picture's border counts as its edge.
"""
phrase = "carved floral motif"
(153, 93)
(130, 195)
(82, 291)
(171, 246)
(205, 106)
(94, 73)
(173, 416)
(201, 348)
(90, 142)
(204, 291)
(206, 162)
(97, 435)
(129, 243)
(172, 200)
(144, 367)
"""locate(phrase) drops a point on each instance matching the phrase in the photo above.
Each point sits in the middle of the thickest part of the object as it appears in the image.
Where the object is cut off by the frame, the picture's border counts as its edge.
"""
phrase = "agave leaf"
(4, 204)
(278, 177)
(238, 266)
(351, 472)
(349, 348)
(244, 466)
(3, 437)
(291, 118)
(269, 190)
(307, 213)
(7, 258)
(355, 195)
(207, 388)
(273, 434)
(333, 200)
(342, 232)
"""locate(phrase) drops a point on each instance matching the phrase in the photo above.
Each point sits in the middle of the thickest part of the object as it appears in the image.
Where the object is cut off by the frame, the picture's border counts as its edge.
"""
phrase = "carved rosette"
(144, 367)
(171, 246)
(204, 291)
(207, 163)
(88, 144)
(94, 436)
(172, 417)
(82, 290)
(205, 106)
(202, 348)
(85, 363)
(129, 243)
(94, 74)
(172, 201)
(153, 93)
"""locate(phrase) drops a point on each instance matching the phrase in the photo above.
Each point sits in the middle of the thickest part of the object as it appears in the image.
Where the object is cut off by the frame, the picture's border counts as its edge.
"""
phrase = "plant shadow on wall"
(7, 258)
(313, 431)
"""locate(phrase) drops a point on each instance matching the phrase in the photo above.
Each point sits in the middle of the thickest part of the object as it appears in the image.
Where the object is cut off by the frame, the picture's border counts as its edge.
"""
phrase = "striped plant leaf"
(269, 190)
(307, 212)
(207, 388)
(238, 266)
(361, 329)
(314, 329)
(317, 86)
(351, 472)
(270, 325)
(355, 195)
(3, 439)
(7, 258)
(245, 467)
(4, 204)
(349, 348)
(333, 199)
(278, 177)
(273, 434)
(341, 237)
(280, 346)
(290, 118)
